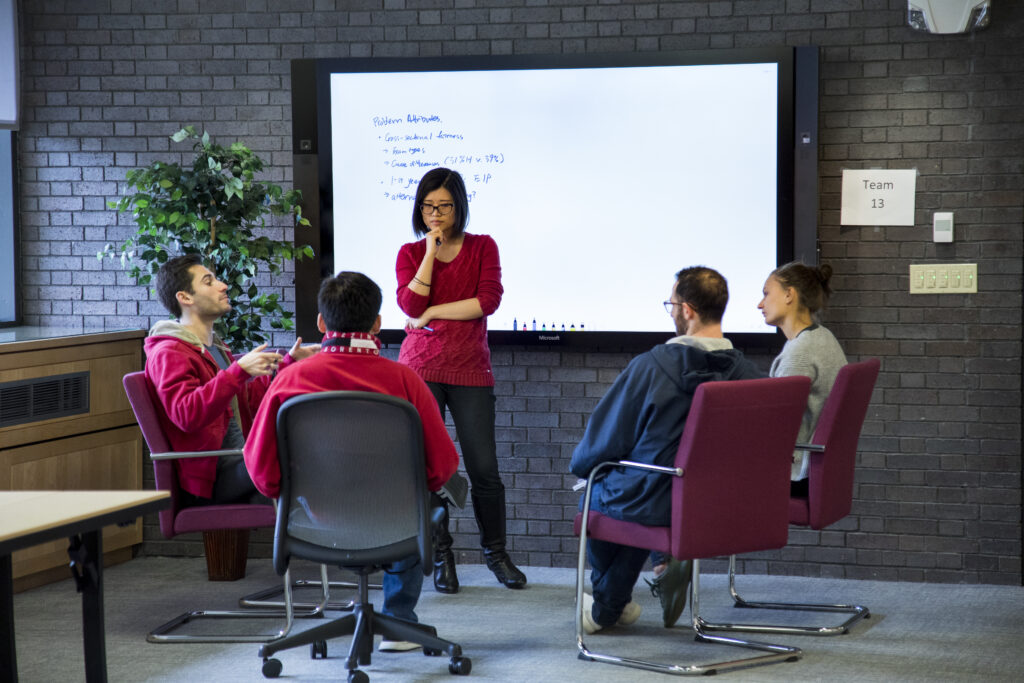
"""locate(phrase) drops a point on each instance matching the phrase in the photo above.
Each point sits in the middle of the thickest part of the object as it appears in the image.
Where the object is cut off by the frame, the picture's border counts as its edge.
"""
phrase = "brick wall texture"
(938, 493)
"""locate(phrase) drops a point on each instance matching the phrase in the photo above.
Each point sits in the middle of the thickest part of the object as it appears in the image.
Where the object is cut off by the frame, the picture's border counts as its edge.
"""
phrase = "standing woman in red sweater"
(448, 283)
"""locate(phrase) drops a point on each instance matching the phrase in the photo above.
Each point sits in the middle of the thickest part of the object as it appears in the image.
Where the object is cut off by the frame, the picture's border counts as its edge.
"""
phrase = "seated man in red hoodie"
(350, 360)
(208, 396)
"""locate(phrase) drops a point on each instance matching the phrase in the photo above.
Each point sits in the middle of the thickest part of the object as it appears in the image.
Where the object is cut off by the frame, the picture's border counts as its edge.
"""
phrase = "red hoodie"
(198, 399)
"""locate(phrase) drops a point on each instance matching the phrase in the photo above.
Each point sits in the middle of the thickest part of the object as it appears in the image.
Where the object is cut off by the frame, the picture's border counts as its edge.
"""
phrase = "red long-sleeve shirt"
(350, 371)
(196, 397)
(456, 352)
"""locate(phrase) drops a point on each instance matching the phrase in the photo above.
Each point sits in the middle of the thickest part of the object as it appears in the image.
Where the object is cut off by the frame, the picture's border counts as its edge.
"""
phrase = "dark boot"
(490, 517)
(445, 579)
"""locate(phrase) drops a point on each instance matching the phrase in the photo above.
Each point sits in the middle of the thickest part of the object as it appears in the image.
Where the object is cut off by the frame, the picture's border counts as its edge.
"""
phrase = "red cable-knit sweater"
(456, 352)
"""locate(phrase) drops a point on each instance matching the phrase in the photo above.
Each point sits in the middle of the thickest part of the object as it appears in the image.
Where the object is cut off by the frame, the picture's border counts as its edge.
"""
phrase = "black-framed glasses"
(441, 209)
(669, 304)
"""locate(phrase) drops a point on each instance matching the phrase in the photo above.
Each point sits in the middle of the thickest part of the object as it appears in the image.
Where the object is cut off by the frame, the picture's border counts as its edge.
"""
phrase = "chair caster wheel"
(318, 649)
(272, 668)
(357, 676)
(460, 666)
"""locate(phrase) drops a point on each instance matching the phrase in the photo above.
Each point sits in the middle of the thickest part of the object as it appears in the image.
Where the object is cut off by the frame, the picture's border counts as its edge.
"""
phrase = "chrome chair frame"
(776, 653)
(856, 612)
(162, 633)
(144, 407)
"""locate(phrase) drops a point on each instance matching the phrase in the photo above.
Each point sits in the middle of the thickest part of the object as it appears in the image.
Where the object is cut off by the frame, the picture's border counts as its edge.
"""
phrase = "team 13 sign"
(878, 197)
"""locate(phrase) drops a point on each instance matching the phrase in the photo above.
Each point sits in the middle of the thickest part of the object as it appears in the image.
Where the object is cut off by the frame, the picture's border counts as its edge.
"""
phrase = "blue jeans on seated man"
(402, 583)
(614, 571)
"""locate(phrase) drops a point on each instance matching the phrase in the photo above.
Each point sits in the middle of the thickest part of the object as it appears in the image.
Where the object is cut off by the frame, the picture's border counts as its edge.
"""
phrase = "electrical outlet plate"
(944, 278)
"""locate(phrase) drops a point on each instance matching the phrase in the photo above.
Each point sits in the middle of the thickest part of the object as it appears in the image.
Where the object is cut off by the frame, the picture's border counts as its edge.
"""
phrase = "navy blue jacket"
(641, 418)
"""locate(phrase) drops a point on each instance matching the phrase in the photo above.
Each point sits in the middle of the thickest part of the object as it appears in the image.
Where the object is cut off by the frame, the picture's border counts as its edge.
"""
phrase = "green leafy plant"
(213, 208)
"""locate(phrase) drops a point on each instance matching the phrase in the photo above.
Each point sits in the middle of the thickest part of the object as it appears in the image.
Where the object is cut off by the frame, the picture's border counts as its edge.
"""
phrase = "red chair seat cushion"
(218, 517)
(625, 533)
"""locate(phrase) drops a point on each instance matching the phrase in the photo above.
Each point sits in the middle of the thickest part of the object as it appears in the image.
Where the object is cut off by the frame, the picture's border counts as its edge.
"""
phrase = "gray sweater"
(813, 353)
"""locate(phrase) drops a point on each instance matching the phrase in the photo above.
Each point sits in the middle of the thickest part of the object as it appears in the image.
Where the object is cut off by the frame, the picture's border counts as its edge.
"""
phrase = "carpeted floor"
(917, 632)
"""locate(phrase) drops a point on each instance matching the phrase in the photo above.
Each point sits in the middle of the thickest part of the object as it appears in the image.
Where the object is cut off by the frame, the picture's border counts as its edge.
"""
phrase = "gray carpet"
(918, 632)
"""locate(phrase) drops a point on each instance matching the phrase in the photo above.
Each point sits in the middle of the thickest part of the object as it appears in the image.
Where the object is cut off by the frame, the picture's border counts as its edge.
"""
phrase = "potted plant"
(214, 208)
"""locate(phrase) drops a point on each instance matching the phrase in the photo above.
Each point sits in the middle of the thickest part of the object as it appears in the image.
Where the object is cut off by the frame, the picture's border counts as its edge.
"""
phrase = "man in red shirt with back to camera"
(350, 360)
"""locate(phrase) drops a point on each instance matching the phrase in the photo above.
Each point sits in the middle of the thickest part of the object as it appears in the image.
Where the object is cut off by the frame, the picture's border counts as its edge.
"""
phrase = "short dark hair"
(349, 302)
(705, 290)
(811, 283)
(173, 277)
(451, 181)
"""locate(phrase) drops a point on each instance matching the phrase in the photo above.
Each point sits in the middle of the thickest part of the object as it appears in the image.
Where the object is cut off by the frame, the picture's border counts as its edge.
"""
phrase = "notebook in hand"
(455, 490)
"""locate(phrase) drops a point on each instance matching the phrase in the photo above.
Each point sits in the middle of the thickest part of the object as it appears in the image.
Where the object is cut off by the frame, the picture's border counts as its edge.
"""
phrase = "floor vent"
(43, 398)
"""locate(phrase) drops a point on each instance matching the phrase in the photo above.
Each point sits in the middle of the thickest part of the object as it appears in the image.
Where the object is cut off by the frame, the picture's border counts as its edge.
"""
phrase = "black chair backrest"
(353, 480)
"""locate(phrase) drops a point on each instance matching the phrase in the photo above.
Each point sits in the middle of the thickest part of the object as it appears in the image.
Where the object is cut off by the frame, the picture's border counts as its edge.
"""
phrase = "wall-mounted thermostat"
(942, 227)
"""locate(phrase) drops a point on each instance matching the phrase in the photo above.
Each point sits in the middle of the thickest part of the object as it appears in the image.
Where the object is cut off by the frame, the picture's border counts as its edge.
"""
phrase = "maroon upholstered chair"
(833, 456)
(222, 526)
(730, 491)
(225, 528)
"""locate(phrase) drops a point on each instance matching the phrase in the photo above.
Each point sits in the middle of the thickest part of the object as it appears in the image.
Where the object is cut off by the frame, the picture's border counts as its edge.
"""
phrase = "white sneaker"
(589, 625)
(397, 646)
(630, 613)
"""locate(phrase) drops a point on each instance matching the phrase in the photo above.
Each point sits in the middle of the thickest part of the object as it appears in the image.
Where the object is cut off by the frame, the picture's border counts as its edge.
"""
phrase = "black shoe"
(445, 578)
(507, 573)
(671, 588)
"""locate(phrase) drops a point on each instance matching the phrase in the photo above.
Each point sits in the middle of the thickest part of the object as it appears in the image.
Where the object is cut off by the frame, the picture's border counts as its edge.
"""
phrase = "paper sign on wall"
(878, 196)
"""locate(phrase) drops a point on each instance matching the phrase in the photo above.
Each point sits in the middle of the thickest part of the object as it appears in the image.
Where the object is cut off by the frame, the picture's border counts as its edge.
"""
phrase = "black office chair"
(353, 494)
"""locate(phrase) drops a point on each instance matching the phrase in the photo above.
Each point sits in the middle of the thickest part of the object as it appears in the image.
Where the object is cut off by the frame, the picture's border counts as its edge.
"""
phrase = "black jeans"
(233, 485)
(472, 410)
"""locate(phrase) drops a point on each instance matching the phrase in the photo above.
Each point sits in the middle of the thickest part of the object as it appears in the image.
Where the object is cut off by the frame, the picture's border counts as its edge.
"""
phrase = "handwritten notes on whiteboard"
(412, 144)
(878, 196)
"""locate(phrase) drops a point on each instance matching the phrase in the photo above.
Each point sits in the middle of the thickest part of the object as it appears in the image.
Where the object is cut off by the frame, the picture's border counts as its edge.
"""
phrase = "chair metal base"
(362, 625)
(259, 599)
(164, 633)
(856, 612)
(775, 653)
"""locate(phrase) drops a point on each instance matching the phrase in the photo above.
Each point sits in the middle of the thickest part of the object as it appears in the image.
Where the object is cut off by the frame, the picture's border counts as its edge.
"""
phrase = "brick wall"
(938, 493)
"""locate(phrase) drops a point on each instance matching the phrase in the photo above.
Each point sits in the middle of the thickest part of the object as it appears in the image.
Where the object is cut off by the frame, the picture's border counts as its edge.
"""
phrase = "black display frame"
(796, 182)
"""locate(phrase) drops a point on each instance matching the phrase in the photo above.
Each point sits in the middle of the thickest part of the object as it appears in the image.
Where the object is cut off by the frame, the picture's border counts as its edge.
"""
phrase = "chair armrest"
(812, 447)
(673, 471)
(175, 455)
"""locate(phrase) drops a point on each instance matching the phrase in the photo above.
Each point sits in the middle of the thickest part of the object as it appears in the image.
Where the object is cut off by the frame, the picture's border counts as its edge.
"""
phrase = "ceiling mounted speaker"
(948, 16)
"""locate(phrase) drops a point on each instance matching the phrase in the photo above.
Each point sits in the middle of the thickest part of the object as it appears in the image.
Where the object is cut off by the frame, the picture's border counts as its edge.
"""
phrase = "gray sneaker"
(671, 588)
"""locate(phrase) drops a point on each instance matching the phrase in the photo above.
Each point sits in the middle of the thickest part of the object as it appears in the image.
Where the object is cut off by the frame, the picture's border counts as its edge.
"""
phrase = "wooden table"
(29, 518)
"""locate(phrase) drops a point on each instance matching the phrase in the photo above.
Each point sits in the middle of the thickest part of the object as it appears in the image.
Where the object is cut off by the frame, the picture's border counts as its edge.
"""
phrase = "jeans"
(472, 410)
(614, 571)
(233, 484)
(402, 583)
